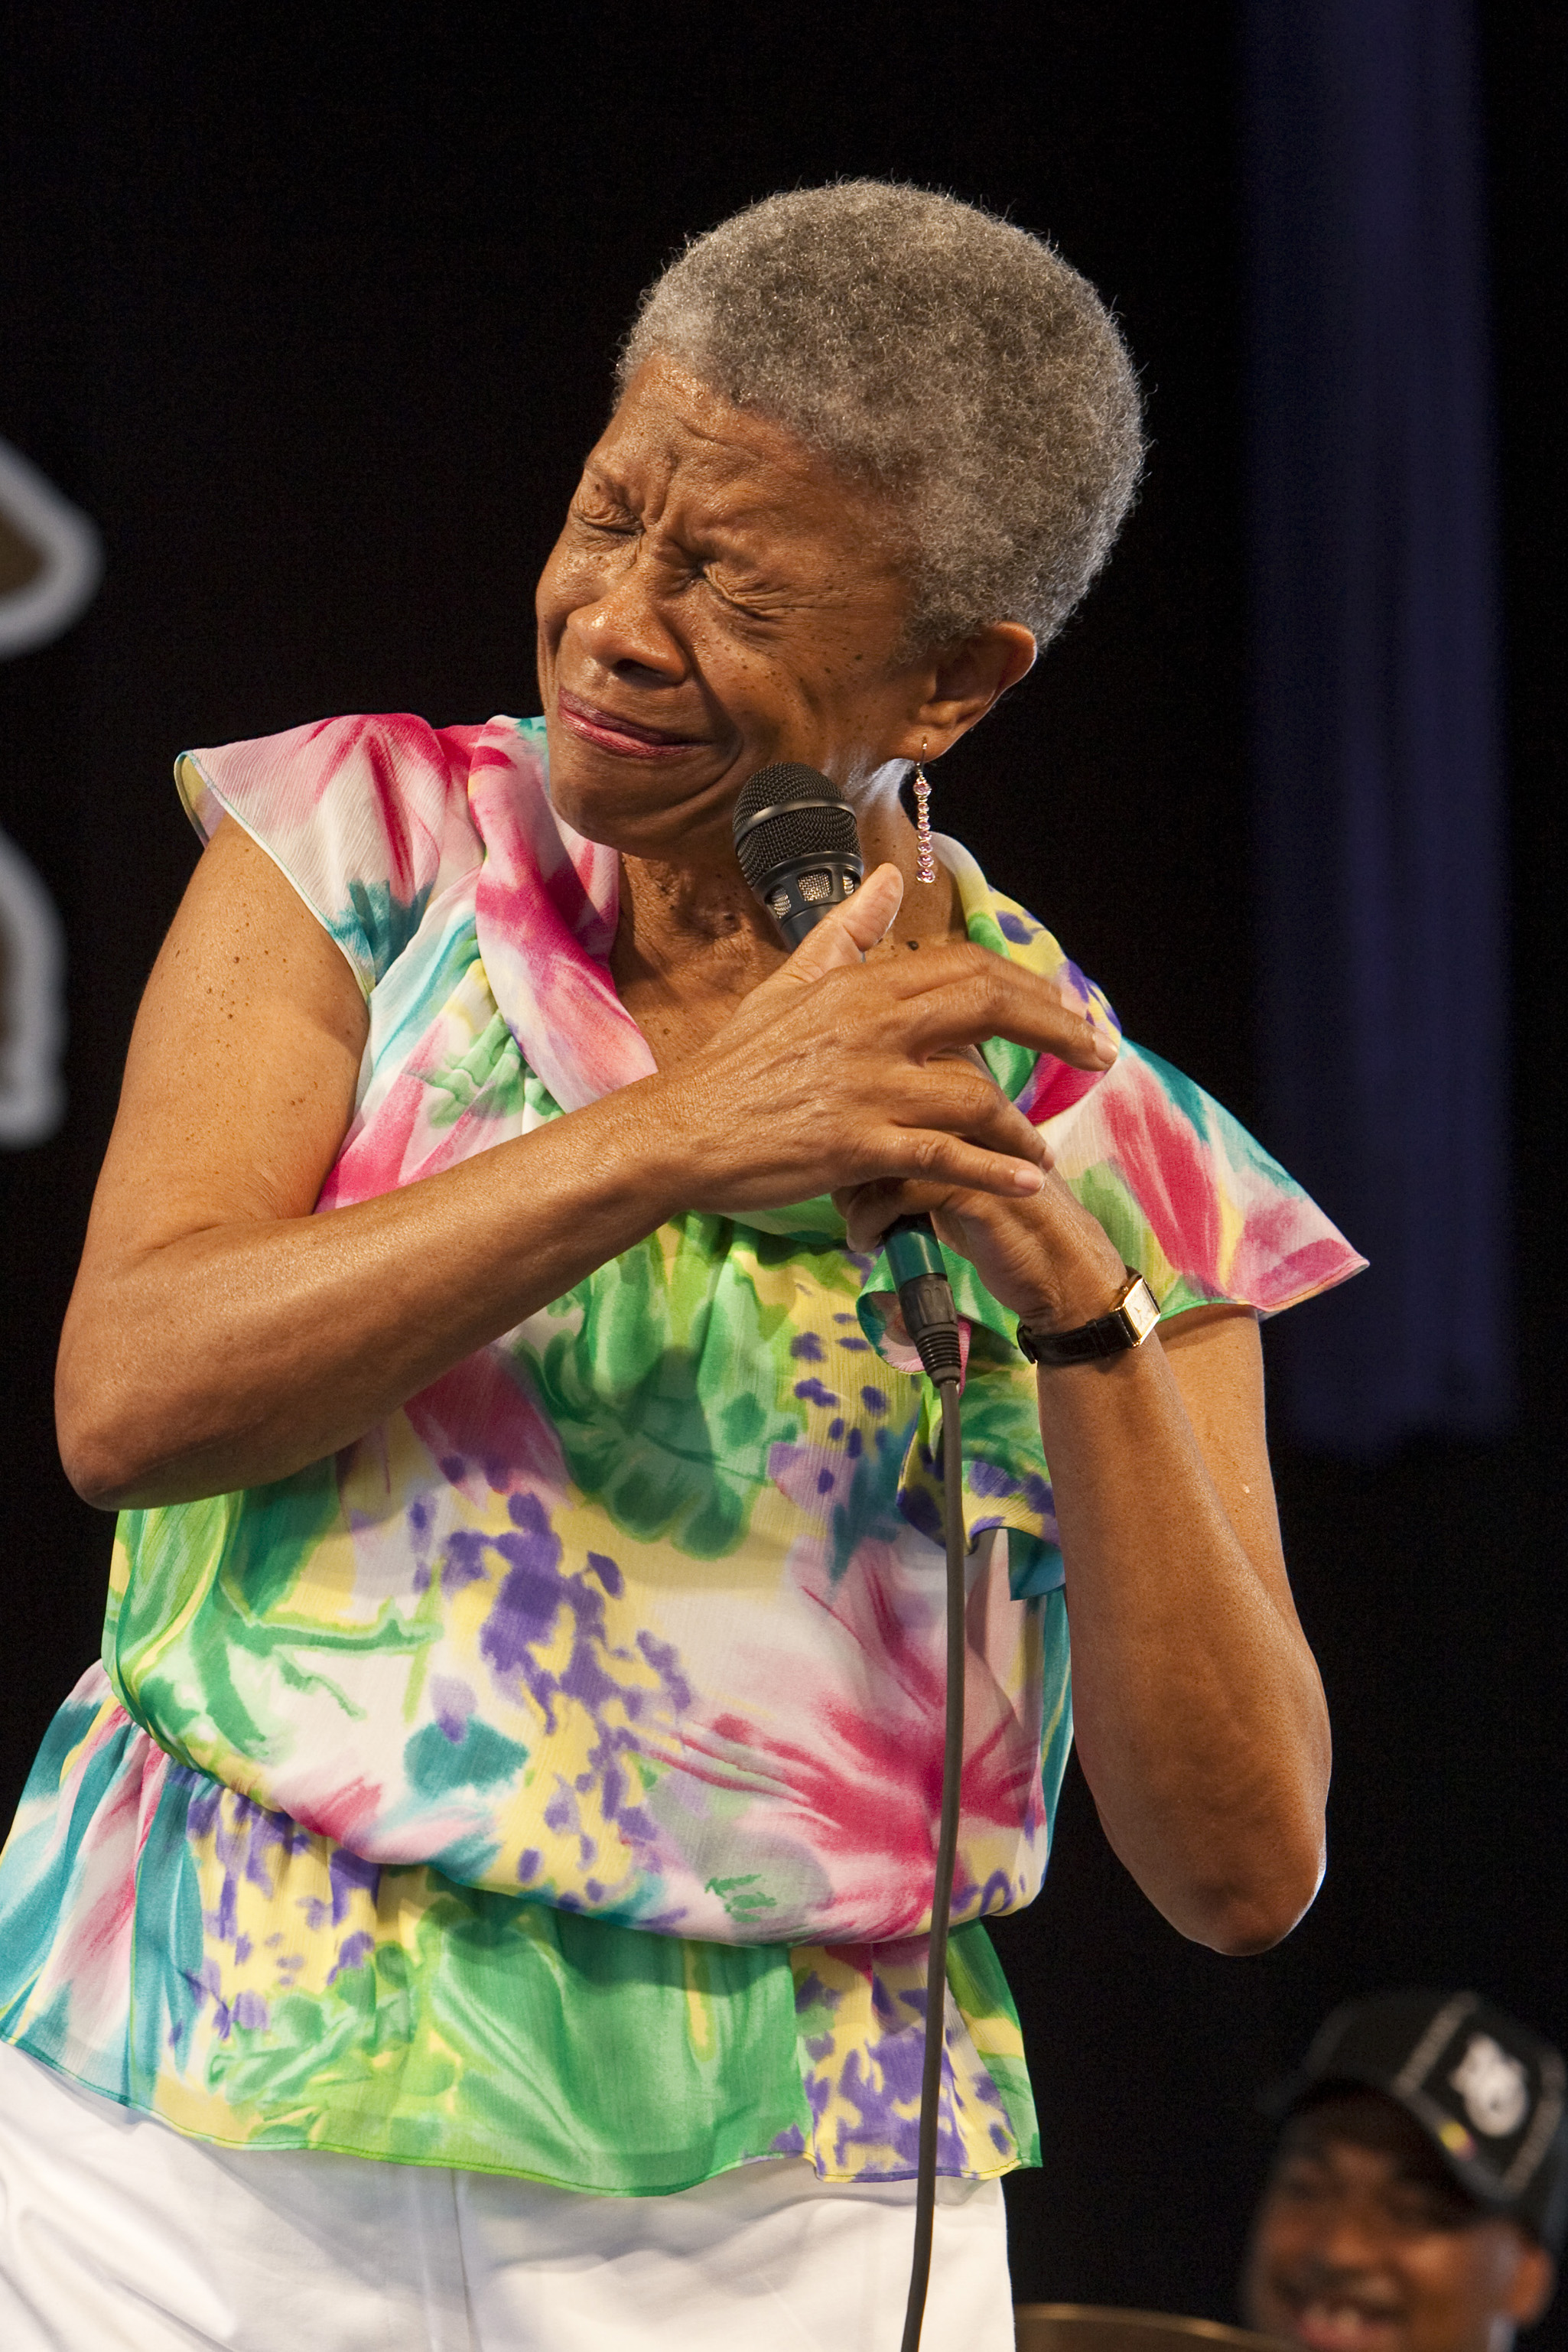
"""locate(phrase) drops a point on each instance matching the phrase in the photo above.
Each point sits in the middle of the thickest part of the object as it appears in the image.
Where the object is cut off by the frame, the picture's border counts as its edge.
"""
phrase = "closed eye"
(599, 506)
(612, 522)
(752, 598)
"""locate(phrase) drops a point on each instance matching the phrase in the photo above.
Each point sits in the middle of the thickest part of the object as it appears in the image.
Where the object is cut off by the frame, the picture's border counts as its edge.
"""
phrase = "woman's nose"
(624, 629)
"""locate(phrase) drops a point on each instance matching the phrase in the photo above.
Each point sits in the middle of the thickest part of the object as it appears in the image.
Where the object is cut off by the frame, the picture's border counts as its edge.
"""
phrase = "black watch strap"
(1134, 1313)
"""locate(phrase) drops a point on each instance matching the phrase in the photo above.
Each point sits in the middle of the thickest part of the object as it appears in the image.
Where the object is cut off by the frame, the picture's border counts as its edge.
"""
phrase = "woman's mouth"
(609, 732)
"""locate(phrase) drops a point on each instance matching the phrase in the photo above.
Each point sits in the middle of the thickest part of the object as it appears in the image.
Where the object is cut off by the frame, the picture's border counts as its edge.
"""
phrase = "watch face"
(1142, 1310)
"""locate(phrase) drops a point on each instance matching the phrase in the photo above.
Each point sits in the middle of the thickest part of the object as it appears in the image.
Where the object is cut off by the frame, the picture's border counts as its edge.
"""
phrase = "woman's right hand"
(837, 1071)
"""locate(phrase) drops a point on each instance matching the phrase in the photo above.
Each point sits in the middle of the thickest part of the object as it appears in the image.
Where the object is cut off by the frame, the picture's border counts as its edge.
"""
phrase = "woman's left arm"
(1197, 1710)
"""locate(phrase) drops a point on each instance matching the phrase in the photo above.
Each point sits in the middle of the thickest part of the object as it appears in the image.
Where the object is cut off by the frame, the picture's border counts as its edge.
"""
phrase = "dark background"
(313, 312)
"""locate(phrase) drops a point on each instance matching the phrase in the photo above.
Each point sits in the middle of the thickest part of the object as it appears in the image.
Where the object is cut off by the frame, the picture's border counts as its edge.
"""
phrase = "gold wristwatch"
(1134, 1312)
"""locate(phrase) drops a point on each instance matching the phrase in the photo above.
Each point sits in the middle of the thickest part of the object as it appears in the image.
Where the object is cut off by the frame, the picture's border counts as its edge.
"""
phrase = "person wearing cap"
(1418, 2192)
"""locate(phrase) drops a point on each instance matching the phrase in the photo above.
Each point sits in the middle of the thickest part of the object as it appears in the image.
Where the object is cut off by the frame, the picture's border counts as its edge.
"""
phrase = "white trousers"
(120, 2235)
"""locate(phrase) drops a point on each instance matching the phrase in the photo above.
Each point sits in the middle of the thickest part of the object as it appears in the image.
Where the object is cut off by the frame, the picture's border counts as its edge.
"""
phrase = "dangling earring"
(925, 864)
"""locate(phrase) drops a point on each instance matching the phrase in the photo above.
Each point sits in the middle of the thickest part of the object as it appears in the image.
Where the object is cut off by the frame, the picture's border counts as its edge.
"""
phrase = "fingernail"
(1106, 1047)
(1027, 1179)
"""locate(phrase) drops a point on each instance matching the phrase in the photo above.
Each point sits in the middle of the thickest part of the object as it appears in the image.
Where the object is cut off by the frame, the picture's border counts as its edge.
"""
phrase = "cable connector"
(925, 1296)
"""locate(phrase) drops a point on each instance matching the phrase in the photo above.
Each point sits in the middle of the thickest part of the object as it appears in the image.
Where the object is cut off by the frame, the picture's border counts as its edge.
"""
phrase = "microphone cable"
(946, 1855)
(925, 1300)
(799, 848)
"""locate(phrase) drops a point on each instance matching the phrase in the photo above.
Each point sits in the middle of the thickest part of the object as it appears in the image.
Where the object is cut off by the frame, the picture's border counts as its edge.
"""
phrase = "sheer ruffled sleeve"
(1192, 1202)
(360, 813)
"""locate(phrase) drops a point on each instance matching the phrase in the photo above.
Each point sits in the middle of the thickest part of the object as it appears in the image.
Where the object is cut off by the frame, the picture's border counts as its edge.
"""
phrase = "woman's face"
(719, 599)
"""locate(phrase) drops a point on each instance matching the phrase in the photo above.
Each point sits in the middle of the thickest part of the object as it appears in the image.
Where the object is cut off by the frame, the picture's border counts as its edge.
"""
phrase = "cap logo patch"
(1495, 2088)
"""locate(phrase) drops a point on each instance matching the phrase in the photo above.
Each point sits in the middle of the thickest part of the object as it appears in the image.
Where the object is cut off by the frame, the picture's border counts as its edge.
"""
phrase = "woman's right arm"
(222, 1335)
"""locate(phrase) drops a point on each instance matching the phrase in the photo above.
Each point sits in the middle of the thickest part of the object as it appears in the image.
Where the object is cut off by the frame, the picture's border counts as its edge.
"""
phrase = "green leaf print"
(669, 1395)
(492, 1067)
(741, 1897)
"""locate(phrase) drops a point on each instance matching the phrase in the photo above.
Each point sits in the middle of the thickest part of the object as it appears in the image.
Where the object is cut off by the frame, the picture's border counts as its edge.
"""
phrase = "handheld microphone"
(799, 848)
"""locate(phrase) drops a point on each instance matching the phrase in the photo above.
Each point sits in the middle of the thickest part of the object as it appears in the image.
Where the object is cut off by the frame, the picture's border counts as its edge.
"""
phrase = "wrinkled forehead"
(671, 435)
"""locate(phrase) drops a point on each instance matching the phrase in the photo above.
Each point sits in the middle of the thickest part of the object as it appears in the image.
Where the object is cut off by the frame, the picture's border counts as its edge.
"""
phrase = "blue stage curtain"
(1380, 831)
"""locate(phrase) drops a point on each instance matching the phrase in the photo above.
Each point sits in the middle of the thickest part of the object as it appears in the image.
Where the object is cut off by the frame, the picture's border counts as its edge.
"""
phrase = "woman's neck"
(692, 940)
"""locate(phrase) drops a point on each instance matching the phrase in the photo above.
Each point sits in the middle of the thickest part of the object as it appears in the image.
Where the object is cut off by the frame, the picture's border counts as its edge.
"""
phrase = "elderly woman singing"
(481, 1897)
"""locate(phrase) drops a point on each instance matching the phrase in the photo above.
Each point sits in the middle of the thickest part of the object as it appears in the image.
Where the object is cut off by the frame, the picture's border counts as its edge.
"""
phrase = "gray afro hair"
(926, 348)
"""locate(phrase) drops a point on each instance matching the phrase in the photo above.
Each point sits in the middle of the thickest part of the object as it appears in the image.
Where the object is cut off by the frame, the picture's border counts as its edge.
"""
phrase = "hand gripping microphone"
(799, 848)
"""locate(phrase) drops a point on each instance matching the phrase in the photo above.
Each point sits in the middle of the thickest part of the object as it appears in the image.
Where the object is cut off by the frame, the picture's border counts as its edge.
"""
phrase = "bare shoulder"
(240, 1082)
(242, 937)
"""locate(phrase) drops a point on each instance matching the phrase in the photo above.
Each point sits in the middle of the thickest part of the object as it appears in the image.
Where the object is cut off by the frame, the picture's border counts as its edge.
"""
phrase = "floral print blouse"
(547, 1783)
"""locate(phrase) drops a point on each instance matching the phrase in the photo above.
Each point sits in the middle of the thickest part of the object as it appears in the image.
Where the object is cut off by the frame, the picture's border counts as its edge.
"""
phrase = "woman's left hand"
(1043, 1255)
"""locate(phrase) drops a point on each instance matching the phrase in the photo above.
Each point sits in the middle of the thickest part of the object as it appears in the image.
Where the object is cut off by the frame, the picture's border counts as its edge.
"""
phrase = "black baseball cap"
(1487, 2093)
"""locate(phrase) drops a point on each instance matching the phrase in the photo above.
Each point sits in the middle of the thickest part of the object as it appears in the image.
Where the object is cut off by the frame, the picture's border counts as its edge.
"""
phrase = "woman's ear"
(962, 682)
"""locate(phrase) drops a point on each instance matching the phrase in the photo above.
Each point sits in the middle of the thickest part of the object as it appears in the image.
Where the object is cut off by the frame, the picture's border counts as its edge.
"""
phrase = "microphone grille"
(789, 810)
